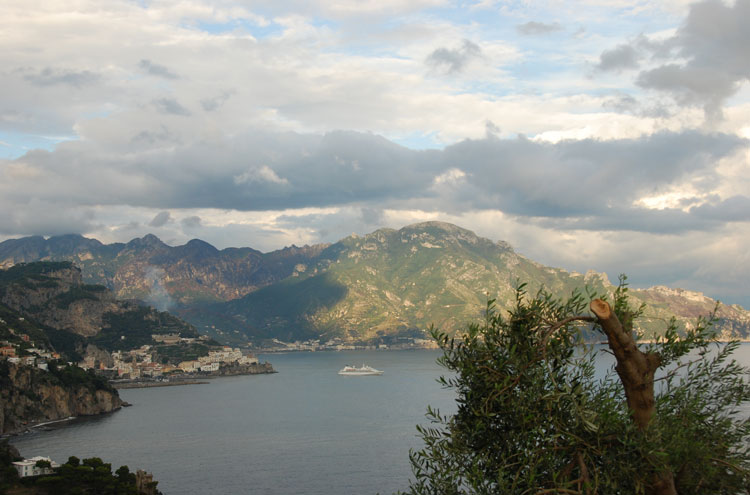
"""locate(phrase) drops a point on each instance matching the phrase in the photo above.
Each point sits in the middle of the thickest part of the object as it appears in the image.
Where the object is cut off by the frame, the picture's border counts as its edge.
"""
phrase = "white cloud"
(451, 176)
(217, 120)
(264, 173)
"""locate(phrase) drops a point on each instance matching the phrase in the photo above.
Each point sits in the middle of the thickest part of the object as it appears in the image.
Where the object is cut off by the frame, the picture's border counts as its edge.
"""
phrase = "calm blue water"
(302, 430)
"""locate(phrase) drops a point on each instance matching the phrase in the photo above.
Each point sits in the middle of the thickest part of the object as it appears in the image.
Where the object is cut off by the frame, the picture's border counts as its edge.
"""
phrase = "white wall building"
(28, 467)
(210, 367)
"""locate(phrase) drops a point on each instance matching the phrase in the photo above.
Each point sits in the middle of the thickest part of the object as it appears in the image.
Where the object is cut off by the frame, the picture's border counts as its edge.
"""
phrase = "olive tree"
(533, 417)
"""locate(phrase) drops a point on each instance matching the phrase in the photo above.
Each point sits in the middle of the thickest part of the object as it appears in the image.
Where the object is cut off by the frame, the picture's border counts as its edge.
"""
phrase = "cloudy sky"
(597, 134)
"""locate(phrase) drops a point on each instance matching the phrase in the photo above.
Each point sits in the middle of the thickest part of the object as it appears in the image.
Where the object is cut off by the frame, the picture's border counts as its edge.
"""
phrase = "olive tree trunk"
(636, 371)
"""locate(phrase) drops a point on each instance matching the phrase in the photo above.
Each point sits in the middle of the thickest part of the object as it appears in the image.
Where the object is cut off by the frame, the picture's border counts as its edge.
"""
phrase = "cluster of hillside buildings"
(25, 353)
(213, 361)
(140, 363)
(30, 356)
(337, 344)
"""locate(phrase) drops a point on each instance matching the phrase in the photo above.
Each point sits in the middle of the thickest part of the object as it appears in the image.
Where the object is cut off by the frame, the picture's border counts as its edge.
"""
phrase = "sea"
(303, 430)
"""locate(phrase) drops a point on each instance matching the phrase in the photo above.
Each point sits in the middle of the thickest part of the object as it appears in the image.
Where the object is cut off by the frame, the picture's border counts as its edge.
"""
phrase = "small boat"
(363, 371)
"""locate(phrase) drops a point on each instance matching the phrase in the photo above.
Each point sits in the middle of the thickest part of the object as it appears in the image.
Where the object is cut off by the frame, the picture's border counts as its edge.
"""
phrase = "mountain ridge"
(398, 282)
(363, 287)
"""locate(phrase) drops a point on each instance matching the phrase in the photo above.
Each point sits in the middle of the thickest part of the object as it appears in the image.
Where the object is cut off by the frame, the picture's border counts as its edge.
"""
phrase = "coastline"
(196, 378)
(150, 384)
(30, 426)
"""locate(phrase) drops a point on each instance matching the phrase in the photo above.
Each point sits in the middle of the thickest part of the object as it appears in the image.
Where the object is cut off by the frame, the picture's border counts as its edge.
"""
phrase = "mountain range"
(48, 304)
(385, 284)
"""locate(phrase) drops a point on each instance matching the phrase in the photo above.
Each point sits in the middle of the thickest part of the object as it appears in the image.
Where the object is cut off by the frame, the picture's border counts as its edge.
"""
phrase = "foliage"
(137, 325)
(33, 274)
(71, 376)
(90, 476)
(183, 352)
(79, 293)
(11, 319)
(8, 474)
(68, 344)
(282, 310)
(532, 417)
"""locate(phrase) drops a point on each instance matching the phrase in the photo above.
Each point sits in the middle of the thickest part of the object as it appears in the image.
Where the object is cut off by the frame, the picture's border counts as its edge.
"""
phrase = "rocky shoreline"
(196, 378)
(153, 383)
(30, 396)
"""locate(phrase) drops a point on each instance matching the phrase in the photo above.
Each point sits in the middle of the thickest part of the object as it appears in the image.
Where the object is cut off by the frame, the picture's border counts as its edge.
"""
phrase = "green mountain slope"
(49, 304)
(390, 282)
(401, 281)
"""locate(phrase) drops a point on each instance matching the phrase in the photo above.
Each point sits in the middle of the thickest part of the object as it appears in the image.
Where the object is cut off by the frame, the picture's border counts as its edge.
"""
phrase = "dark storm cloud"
(216, 102)
(587, 178)
(52, 76)
(736, 208)
(171, 106)
(156, 70)
(191, 222)
(160, 219)
(453, 60)
(618, 59)
(149, 138)
(43, 217)
(533, 28)
(664, 221)
(713, 42)
(372, 216)
(621, 103)
(587, 184)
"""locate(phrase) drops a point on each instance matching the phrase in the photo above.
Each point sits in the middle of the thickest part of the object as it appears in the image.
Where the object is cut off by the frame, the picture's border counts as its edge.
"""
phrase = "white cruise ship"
(363, 371)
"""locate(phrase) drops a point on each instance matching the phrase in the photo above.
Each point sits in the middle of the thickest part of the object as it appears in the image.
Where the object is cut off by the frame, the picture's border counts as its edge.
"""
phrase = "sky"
(609, 135)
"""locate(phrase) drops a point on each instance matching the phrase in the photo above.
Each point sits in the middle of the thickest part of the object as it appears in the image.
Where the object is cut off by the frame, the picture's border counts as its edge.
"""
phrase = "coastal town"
(148, 362)
(22, 350)
(162, 359)
(144, 361)
(338, 344)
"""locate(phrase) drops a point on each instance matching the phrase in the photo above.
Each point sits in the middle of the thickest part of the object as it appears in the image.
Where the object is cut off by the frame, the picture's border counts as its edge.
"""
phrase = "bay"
(303, 430)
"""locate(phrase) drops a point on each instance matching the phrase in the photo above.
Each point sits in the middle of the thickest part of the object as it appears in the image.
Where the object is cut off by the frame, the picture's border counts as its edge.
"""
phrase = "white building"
(210, 367)
(170, 338)
(189, 366)
(28, 467)
(248, 360)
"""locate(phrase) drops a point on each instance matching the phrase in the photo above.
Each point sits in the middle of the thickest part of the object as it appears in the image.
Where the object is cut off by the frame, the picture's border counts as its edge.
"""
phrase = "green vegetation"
(284, 310)
(88, 477)
(366, 287)
(33, 274)
(13, 320)
(72, 376)
(8, 474)
(532, 417)
(66, 343)
(60, 373)
(173, 354)
(64, 300)
(136, 326)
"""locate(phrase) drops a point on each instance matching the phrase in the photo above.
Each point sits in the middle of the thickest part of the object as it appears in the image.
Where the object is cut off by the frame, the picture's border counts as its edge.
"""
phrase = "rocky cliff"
(163, 275)
(30, 395)
(55, 295)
